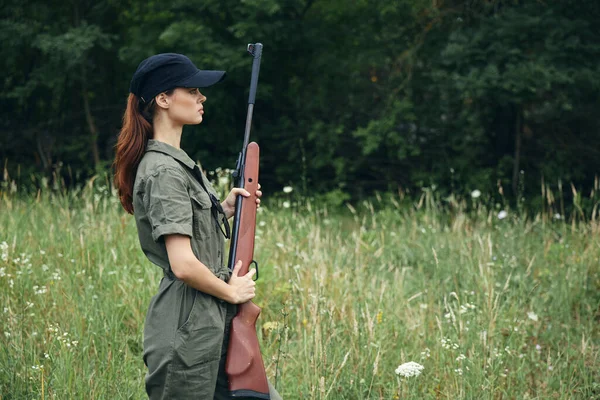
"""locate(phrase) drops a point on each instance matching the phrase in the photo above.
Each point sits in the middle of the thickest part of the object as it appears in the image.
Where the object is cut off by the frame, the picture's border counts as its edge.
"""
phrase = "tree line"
(354, 96)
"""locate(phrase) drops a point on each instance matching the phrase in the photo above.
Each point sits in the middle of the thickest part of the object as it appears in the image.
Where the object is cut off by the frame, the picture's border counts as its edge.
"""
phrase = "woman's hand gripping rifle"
(244, 365)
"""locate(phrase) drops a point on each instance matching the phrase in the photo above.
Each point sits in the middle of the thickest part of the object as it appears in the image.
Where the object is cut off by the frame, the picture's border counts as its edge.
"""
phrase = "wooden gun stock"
(244, 365)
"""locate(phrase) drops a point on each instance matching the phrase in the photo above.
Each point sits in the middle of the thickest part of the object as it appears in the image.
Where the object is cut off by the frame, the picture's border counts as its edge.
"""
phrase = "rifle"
(244, 365)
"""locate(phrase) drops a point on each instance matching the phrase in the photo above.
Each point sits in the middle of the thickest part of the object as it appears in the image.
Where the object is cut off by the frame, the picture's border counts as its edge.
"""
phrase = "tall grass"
(492, 308)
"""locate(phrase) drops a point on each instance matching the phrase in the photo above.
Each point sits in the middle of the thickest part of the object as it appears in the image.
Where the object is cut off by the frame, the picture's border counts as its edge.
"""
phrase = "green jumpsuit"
(186, 331)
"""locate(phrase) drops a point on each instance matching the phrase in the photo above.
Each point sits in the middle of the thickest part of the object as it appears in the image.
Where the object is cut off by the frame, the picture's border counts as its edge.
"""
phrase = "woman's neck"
(166, 131)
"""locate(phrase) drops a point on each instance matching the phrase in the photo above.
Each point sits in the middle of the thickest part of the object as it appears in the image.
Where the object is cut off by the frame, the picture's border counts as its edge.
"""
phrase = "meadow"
(493, 303)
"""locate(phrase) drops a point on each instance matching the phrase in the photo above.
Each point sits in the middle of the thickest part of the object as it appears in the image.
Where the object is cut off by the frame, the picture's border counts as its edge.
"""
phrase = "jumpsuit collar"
(178, 154)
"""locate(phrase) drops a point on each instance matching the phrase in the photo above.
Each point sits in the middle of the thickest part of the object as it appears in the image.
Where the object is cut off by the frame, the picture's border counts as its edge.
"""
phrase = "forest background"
(354, 96)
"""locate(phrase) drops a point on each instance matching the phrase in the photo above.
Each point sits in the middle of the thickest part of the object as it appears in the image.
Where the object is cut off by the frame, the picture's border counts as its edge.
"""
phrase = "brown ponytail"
(130, 147)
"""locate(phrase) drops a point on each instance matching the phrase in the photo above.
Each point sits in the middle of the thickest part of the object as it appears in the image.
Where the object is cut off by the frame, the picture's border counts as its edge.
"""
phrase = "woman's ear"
(162, 100)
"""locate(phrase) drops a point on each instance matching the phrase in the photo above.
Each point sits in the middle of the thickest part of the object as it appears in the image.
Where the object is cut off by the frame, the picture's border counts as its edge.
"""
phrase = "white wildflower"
(532, 316)
(497, 352)
(287, 189)
(40, 290)
(475, 193)
(409, 369)
(446, 343)
(286, 204)
(502, 214)
(4, 250)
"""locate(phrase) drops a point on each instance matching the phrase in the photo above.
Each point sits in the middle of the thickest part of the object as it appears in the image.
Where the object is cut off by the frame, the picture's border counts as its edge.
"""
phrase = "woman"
(178, 219)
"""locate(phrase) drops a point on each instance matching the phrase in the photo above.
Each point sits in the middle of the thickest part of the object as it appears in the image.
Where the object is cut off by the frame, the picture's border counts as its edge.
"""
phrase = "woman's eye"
(194, 91)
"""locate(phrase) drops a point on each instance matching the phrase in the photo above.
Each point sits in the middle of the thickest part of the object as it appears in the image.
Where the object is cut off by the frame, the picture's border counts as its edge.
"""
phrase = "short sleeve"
(168, 204)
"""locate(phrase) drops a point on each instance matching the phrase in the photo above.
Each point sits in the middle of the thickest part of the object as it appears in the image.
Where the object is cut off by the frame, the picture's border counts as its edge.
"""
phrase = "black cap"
(168, 71)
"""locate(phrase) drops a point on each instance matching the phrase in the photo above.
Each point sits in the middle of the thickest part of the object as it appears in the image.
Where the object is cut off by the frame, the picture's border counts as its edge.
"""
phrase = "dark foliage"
(353, 96)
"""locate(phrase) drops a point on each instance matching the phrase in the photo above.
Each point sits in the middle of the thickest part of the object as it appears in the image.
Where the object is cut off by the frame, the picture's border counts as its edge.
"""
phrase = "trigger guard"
(256, 267)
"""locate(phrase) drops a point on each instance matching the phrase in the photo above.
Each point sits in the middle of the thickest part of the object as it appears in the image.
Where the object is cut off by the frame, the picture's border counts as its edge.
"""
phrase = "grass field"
(492, 308)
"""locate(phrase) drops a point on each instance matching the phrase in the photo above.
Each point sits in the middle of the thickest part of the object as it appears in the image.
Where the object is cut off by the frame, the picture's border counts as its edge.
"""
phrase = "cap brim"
(203, 79)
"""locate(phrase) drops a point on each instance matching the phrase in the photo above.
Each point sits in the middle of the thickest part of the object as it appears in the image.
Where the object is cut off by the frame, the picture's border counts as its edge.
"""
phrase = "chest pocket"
(203, 221)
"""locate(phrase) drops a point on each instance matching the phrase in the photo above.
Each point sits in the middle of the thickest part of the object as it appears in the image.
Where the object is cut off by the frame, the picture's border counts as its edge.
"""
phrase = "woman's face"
(186, 106)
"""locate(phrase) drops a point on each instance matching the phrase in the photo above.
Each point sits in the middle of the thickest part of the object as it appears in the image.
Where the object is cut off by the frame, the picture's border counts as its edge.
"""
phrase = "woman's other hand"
(229, 203)
(242, 287)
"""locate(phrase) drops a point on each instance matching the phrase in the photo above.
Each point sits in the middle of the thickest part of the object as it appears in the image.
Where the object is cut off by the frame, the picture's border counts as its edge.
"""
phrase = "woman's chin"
(195, 121)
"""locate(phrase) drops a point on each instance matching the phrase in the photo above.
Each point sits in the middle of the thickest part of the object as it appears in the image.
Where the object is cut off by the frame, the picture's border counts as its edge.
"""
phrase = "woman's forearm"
(187, 268)
(197, 275)
(229, 211)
